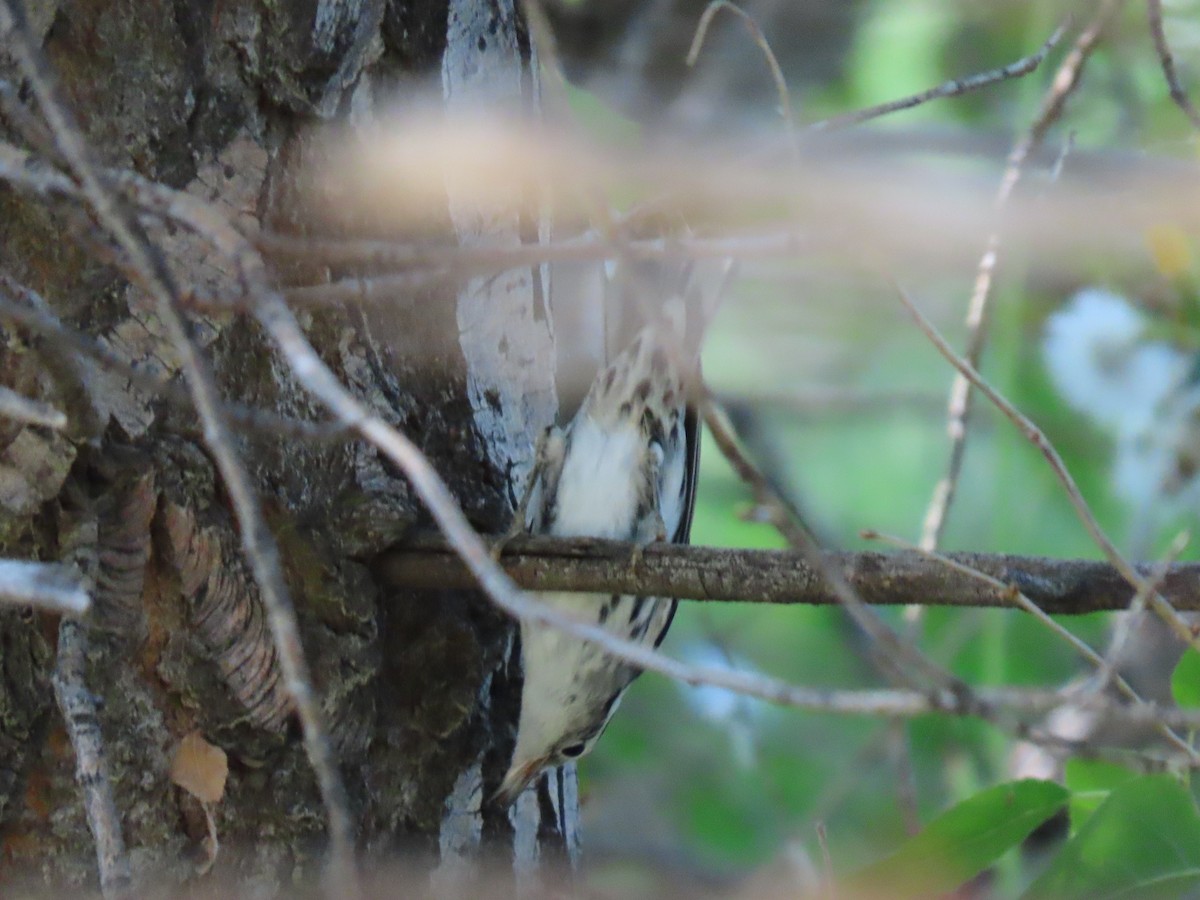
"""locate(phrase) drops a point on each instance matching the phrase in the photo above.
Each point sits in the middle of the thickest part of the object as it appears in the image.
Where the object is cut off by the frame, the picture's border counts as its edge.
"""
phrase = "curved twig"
(1167, 60)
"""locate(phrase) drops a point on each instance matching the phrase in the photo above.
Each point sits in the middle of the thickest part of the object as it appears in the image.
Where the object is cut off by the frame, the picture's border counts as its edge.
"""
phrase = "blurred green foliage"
(1142, 841)
(962, 841)
(694, 785)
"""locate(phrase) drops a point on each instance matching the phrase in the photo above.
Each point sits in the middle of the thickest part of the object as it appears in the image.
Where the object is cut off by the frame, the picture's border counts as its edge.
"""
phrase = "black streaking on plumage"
(621, 469)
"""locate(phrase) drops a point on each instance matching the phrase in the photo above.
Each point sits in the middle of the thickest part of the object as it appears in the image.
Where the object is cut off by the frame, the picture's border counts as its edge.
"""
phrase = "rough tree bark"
(419, 689)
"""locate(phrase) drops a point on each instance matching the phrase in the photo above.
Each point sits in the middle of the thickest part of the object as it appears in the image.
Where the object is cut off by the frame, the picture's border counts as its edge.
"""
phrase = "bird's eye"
(574, 751)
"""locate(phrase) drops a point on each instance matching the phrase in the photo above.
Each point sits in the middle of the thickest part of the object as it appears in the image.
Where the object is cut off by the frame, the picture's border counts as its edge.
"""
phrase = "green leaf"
(962, 841)
(1143, 841)
(1090, 782)
(1185, 680)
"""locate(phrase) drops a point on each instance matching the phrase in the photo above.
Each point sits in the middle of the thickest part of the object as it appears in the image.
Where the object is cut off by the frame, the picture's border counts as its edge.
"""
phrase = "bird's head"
(534, 755)
(562, 715)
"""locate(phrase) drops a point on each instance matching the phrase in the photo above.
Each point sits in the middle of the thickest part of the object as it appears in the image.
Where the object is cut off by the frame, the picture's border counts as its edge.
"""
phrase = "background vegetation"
(842, 399)
(835, 393)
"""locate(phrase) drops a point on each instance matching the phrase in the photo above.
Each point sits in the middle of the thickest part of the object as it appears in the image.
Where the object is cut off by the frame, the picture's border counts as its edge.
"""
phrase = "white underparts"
(598, 490)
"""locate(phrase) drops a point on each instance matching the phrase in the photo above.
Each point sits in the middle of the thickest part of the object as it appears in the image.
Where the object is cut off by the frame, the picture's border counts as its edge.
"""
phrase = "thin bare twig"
(1006, 590)
(953, 88)
(44, 585)
(1065, 80)
(1125, 623)
(1060, 161)
(989, 704)
(469, 548)
(1034, 435)
(781, 88)
(892, 651)
(467, 545)
(592, 565)
(319, 380)
(78, 708)
(1104, 669)
(784, 517)
(849, 198)
(1167, 60)
(430, 265)
(258, 544)
(278, 321)
(828, 883)
(903, 658)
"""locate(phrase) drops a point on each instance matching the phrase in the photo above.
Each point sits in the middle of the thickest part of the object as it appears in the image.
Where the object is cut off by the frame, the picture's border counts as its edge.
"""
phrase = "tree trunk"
(419, 691)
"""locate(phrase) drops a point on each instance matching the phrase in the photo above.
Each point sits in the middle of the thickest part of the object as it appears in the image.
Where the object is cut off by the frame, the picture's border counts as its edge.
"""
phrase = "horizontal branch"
(1057, 586)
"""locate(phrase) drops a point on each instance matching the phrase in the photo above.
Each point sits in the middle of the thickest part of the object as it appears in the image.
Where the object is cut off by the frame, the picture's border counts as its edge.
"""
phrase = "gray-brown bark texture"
(418, 689)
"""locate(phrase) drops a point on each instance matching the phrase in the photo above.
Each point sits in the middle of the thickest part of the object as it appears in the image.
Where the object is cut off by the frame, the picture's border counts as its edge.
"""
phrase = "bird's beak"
(515, 781)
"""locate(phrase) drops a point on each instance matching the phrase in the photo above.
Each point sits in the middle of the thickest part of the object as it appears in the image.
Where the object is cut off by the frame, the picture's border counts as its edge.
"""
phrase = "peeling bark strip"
(506, 335)
(78, 707)
(123, 552)
(490, 68)
(461, 834)
(33, 465)
(1057, 586)
(228, 617)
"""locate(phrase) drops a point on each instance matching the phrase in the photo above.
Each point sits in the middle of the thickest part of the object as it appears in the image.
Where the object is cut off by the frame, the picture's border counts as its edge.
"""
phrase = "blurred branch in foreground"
(44, 585)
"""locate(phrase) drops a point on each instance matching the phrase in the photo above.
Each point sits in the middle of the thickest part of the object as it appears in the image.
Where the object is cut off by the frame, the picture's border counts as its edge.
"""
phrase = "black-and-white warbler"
(623, 468)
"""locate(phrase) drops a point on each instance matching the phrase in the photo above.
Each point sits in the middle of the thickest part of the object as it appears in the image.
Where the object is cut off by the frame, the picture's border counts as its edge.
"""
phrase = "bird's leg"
(650, 526)
(519, 523)
(651, 529)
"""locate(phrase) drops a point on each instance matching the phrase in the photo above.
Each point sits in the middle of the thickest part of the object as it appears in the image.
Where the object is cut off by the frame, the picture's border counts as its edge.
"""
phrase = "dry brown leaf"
(200, 768)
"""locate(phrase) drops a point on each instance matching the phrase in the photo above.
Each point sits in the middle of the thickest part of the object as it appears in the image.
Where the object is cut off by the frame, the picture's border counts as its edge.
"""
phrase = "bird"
(623, 468)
